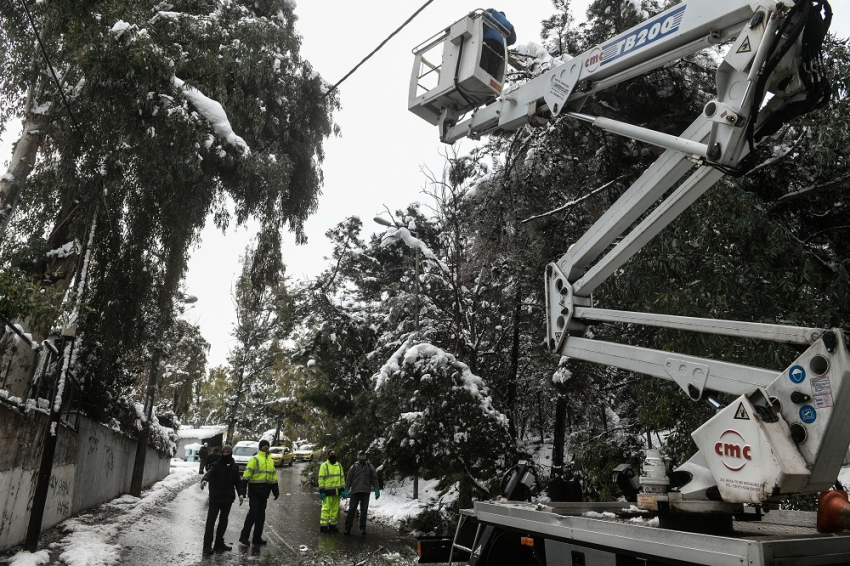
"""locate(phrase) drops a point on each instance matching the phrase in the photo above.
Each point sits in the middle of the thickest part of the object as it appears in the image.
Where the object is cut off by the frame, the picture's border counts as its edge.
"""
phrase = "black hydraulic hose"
(773, 60)
(457, 72)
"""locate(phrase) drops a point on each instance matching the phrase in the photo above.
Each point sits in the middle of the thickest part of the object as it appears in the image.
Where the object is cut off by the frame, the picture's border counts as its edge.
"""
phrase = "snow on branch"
(428, 357)
(214, 113)
(394, 234)
(578, 200)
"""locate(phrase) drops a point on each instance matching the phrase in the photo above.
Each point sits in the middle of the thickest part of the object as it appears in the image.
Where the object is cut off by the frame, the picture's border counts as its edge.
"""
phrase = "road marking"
(280, 538)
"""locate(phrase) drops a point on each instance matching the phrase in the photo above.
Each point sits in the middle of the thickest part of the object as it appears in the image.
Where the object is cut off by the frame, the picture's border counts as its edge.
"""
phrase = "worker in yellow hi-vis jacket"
(331, 480)
(261, 477)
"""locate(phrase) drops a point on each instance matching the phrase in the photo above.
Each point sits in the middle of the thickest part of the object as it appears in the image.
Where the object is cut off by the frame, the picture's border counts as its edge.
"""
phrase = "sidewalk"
(165, 528)
(95, 537)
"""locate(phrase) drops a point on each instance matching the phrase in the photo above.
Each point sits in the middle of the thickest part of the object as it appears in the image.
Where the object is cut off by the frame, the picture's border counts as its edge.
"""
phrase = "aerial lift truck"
(786, 432)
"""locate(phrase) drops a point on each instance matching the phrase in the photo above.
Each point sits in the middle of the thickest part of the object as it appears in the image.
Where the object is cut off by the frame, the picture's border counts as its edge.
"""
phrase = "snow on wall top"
(202, 433)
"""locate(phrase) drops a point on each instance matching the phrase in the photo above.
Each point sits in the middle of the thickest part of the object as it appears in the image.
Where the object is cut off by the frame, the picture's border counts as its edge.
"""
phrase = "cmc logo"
(594, 59)
(733, 450)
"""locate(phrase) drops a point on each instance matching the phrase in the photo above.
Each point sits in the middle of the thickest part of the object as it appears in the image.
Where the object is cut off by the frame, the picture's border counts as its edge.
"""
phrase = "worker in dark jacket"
(225, 483)
(497, 31)
(261, 477)
(361, 480)
(202, 456)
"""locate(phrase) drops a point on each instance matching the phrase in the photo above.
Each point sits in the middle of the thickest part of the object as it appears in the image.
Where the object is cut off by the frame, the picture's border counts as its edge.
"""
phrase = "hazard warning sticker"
(741, 413)
(822, 392)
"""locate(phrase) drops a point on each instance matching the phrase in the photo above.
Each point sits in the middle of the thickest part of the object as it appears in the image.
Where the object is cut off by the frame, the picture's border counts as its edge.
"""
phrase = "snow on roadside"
(397, 504)
(30, 559)
(88, 538)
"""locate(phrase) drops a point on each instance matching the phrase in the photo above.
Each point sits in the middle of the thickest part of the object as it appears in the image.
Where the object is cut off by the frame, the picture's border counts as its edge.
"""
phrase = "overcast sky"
(377, 160)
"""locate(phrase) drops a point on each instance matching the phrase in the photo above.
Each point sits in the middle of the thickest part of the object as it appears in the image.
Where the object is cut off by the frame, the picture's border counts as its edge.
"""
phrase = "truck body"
(620, 534)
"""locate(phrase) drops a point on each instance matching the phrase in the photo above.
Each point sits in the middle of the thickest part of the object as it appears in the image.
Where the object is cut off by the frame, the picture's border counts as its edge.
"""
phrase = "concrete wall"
(91, 466)
(104, 469)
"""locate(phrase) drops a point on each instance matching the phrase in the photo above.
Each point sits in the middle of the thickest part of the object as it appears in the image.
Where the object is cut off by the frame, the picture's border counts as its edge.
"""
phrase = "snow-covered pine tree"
(263, 318)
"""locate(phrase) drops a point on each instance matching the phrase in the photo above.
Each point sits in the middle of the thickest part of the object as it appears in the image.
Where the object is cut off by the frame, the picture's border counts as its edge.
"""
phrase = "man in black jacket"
(202, 456)
(225, 483)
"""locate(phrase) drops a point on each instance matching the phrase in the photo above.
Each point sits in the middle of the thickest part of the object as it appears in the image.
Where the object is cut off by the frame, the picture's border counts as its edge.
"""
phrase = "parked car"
(243, 451)
(281, 456)
(306, 452)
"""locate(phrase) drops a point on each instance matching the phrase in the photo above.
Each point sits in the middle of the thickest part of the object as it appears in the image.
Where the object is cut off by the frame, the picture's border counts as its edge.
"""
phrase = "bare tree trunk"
(513, 376)
(559, 433)
(22, 164)
(173, 273)
(233, 410)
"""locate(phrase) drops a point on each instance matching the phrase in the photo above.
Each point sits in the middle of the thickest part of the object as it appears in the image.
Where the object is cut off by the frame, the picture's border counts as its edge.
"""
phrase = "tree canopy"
(158, 119)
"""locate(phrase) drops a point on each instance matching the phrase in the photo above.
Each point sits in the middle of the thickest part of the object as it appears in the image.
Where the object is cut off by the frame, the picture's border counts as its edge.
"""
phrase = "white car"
(243, 451)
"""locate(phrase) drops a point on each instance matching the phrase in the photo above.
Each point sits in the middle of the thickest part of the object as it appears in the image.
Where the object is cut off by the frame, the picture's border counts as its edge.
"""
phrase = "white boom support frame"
(794, 453)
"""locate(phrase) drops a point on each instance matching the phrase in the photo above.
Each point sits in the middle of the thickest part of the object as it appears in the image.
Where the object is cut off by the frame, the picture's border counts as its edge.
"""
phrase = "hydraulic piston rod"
(660, 139)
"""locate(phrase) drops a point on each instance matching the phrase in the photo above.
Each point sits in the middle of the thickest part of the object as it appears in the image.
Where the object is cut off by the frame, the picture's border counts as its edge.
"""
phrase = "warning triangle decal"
(745, 47)
(741, 413)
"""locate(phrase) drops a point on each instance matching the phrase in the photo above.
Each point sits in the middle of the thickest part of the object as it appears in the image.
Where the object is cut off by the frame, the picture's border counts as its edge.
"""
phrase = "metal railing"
(45, 362)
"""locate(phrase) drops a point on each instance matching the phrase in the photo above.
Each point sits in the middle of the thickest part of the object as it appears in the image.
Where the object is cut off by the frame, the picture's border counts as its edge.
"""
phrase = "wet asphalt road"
(173, 533)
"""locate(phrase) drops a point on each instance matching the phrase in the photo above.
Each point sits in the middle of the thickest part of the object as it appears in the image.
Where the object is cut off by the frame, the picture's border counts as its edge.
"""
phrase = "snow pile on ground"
(88, 540)
(396, 503)
(30, 559)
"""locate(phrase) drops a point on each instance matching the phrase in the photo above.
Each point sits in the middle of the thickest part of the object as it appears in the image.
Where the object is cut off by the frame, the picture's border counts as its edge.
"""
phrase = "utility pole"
(62, 384)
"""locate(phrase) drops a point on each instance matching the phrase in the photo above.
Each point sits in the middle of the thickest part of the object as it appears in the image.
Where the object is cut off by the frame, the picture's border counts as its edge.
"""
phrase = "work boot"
(244, 541)
(346, 533)
(208, 550)
(333, 528)
(362, 532)
(221, 547)
(260, 541)
(324, 529)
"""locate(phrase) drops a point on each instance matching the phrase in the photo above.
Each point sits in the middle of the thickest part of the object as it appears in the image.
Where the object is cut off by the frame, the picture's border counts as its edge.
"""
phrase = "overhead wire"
(295, 121)
(49, 64)
(64, 98)
(349, 73)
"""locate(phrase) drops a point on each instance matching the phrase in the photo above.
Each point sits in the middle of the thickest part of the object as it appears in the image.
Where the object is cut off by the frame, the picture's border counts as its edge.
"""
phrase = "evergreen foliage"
(175, 113)
(765, 247)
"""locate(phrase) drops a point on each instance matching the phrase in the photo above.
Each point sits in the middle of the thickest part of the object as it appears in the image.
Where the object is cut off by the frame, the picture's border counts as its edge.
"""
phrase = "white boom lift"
(788, 431)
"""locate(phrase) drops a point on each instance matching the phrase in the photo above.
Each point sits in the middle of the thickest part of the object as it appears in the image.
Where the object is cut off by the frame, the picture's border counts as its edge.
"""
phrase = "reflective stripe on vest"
(330, 480)
(262, 472)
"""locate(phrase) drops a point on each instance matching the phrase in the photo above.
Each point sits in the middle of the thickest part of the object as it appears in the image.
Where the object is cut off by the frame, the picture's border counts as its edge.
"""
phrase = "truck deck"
(610, 534)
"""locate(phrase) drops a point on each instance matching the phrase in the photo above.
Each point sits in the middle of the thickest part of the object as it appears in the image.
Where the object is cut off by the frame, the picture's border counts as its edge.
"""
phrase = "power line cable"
(351, 72)
(49, 64)
(62, 94)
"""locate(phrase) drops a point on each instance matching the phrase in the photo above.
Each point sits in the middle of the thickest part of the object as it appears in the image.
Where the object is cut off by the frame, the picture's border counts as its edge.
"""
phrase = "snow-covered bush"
(441, 419)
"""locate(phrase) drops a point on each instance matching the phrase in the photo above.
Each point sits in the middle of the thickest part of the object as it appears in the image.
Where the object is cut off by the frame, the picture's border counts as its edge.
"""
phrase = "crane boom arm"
(796, 420)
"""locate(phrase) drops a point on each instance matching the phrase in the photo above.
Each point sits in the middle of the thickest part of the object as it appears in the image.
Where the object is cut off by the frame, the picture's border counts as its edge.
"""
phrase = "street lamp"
(384, 222)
